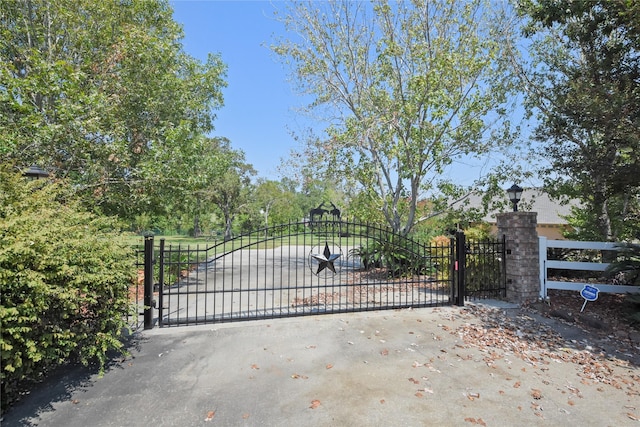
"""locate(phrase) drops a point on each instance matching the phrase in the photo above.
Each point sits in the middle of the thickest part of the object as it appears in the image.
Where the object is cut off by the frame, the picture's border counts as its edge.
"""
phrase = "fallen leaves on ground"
(210, 415)
(537, 344)
(314, 404)
(478, 421)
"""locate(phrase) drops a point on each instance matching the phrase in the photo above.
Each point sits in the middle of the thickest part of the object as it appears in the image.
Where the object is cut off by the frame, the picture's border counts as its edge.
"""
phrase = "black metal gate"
(485, 269)
(299, 269)
(307, 268)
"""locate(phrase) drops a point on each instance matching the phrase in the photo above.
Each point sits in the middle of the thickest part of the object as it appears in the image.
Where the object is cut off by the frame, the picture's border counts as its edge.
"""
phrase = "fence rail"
(546, 264)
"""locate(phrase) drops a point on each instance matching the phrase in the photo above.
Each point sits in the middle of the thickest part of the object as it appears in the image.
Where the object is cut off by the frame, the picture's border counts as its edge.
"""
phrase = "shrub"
(64, 276)
(439, 249)
(625, 270)
(399, 255)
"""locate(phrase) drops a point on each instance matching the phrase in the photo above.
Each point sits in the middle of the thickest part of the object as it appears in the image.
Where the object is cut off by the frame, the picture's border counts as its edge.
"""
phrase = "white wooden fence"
(545, 265)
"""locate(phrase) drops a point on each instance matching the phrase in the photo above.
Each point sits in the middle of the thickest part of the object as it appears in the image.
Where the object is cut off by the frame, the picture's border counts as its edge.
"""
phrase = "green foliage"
(484, 265)
(276, 203)
(224, 180)
(115, 105)
(626, 271)
(64, 277)
(585, 87)
(399, 255)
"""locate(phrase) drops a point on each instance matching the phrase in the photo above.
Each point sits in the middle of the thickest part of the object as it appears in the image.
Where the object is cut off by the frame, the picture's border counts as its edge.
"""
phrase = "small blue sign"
(589, 293)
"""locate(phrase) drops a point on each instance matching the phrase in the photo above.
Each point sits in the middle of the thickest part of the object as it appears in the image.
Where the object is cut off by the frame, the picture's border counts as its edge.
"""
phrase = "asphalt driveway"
(426, 367)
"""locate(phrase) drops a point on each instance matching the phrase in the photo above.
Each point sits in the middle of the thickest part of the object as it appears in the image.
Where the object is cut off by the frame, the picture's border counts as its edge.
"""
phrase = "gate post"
(523, 265)
(161, 284)
(461, 265)
(148, 282)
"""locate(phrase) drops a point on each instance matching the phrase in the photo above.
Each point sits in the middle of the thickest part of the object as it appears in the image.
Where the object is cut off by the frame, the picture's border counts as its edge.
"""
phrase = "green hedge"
(64, 277)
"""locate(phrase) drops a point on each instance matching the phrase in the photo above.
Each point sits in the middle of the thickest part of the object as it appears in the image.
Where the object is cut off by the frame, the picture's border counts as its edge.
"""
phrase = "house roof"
(549, 211)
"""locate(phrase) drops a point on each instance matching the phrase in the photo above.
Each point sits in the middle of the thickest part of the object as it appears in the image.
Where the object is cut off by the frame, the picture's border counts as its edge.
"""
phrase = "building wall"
(550, 231)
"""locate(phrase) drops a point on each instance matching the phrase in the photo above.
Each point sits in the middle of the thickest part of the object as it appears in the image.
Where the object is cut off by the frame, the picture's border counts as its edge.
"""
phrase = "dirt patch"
(608, 316)
(596, 339)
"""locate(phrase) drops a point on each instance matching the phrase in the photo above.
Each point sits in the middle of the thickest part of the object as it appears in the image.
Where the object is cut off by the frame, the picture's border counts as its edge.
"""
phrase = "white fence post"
(543, 266)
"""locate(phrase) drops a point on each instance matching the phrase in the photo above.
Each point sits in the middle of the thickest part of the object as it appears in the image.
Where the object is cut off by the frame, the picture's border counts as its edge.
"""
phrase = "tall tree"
(407, 87)
(224, 180)
(586, 89)
(98, 91)
(278, 202)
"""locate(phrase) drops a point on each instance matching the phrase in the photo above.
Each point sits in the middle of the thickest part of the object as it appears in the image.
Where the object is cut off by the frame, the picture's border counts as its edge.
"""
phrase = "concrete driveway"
(445, 366)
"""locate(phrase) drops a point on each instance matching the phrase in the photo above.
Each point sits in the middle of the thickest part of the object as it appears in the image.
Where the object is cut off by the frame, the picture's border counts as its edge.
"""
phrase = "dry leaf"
(536, 394)
(210, 415)
(384, 352)
(75, 401)
(296, 376)
(501, 391)
(245, 416)
(632, 416)
(413, 380)
(517, 384)
(418, 394)
(314, 404)
(329, 366)
(310, 346)
(254, 366)
(571, 403)
(382, 401)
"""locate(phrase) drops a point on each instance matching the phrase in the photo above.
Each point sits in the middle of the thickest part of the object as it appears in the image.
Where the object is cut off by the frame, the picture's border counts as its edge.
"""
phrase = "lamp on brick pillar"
(515, 194)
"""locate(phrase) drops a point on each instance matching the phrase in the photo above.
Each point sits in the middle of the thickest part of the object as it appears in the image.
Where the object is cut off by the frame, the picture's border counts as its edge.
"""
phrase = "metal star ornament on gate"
(326, 259)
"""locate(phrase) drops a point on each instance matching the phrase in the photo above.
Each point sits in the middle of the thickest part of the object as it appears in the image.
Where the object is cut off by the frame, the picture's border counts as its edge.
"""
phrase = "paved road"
(444, 366)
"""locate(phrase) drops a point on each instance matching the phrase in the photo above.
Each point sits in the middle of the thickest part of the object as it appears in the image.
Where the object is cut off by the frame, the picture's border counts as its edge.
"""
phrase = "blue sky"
(259, 102)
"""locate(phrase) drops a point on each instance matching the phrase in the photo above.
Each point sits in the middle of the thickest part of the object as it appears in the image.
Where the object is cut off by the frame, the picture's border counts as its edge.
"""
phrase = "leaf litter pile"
(536, 344)
(499, 336)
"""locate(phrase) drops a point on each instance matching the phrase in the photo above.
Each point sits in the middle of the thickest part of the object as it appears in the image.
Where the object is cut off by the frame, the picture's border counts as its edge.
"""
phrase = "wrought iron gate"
(299, 269)
(314, 267)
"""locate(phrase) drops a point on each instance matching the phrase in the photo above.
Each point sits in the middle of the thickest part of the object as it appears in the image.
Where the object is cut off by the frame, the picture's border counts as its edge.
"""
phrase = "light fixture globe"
(515, 194)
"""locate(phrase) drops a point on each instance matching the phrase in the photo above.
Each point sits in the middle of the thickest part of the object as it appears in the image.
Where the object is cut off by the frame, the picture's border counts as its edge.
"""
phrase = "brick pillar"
(523, 279)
